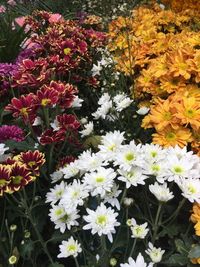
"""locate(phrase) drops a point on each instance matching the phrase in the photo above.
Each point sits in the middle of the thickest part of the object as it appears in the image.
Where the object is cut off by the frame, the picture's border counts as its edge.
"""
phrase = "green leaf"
(26, 249)
(93, 141)
(177, 260)
(181, 247)
(194, 252)
(21, 146)
(171, 231)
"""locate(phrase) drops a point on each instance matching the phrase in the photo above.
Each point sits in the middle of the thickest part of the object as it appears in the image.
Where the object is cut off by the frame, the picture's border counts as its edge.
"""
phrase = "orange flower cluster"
(195, 218)
(160, 51)
(179, 5)
(20, 170)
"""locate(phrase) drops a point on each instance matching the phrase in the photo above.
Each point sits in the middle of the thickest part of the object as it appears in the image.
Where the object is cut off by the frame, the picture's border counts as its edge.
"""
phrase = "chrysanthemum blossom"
(99, 181)
(155, 253)
(138, 231)
(122, 101)
(161, 192)
(70, 247)
(139, 262)
(110, 143)
(190, 189)
(11, 132)
(102, 221)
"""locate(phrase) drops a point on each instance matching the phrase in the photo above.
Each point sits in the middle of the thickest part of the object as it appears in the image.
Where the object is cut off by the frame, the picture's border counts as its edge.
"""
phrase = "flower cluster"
(96, 180)
(20, 170)
(183, 5)
(159, 50)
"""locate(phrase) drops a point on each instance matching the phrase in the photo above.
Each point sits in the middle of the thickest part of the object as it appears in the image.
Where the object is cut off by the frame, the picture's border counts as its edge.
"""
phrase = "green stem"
(50, 158)
(176, 212)
(77, 264)
(123, 196)
(46, 116)
(157, 222)
(133, 247)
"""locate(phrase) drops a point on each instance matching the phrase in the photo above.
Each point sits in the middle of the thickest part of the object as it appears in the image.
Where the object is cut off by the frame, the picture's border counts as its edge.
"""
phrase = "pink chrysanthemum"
(11, 132)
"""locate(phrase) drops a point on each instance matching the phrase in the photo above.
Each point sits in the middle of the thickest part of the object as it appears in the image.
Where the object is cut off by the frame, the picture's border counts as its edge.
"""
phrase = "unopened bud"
(12, 260)
(113, 262)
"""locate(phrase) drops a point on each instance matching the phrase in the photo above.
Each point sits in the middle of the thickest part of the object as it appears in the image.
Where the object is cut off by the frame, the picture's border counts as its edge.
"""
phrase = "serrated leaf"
(21, 146)
(171, 231)
(194, 252)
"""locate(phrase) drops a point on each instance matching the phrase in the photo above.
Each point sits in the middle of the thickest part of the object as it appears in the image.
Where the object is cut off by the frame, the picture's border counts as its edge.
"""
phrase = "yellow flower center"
(155, 168)
(64, 218)
(112, 147)
(100, 179)
(45, 102)
(31, 163)
(24, 111)
(67, 51)
(101, 220)
(71, 248)
(190, 113)
(192, 189)
(167, 116)
(17, 179)
(59, 212)
(178, 169)
(154, 154)
(170, 136)
(2, 182)
(129, 156)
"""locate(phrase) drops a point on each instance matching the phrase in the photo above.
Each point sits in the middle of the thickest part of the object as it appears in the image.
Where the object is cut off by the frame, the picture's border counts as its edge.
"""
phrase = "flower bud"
(13, 227)
(12, 260)
(113, 262)
(128, 201)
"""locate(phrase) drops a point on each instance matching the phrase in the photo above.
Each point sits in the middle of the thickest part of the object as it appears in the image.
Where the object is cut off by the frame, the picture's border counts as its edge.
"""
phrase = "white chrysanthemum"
(100, 181)
(74, 195)
(3, 149)
(89, 161)
(179, 152)
(69, 248)
(71, 169)
(63, 219)
(103, 110)
(129, 156)
(155, 253)
(143, 111)
(156, 168)
(55, 193)
(77, 102)
(180, 168)
(56, 176)
(110, 143)
(190, 189)
(133, 177)
(161, 192)
(138, 231)
(101, 221)
(139, 262)
(96, 69)
(153, 153)
(88, 129)
(122, 101)
(112, 197)
(105, 104)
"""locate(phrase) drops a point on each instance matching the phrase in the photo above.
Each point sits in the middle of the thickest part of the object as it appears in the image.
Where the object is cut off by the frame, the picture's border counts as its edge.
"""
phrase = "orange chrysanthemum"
(172, 137)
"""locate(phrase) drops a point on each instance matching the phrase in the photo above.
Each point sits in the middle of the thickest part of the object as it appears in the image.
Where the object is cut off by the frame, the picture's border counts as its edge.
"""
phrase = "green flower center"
(101, 220)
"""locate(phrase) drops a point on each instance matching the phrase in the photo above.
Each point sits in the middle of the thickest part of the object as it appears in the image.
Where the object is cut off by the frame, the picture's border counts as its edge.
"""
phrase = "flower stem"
(133, 247)
(157, 222)
(77, 264)
(176, 212)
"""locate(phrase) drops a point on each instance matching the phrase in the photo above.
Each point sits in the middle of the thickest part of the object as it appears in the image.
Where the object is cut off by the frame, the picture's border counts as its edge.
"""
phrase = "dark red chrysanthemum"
(47, 96)
(50, 137)
(33, 160)
(23, 107)
(20, 177)
(4, 178)
(68, 122)
(11, 132)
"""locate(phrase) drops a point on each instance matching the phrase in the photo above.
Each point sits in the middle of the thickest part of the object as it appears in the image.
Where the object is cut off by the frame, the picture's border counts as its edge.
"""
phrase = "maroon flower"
(63, 162)
(11, 132)
(49, 137)
(68, 122)
(33, 160)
